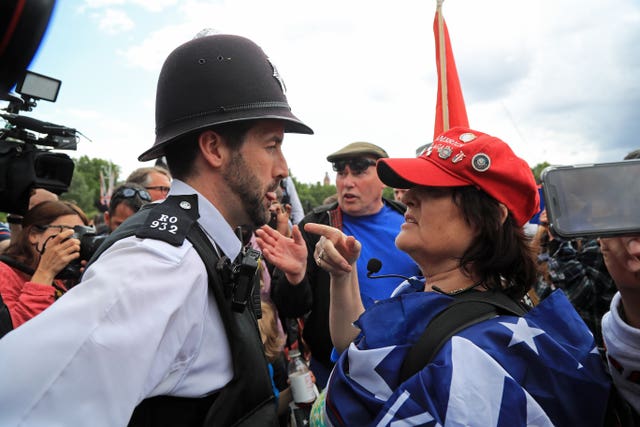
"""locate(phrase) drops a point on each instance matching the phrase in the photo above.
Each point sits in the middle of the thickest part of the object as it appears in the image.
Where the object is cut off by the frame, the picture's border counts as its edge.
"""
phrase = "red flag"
(450, 109)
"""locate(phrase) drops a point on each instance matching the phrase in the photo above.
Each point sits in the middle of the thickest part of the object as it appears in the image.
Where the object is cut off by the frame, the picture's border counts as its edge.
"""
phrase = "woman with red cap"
(468, 198)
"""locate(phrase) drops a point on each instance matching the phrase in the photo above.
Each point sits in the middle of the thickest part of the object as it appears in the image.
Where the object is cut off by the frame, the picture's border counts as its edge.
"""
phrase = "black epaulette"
(171, 220)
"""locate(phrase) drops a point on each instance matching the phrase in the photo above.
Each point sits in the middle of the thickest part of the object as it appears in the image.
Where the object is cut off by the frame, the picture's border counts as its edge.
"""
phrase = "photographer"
(38, 195)
(42, 249)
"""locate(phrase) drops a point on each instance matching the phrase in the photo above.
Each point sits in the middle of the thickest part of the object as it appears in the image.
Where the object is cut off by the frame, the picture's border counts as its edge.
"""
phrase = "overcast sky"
(558, 80)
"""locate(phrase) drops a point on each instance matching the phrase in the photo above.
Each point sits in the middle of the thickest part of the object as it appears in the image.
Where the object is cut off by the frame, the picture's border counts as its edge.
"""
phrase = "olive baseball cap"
(358, 149)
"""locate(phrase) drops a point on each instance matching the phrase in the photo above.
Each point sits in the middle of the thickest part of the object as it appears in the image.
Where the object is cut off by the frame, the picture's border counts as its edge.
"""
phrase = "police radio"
(243, 275)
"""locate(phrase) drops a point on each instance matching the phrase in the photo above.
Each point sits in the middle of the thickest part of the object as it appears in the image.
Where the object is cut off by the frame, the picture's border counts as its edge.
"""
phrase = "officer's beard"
(241, 180)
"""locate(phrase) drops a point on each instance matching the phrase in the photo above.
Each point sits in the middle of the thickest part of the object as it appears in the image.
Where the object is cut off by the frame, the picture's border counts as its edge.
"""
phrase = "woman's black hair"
(500, 255)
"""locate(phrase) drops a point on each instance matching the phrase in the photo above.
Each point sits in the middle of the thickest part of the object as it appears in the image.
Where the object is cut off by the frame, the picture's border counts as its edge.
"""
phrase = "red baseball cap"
(460, 157)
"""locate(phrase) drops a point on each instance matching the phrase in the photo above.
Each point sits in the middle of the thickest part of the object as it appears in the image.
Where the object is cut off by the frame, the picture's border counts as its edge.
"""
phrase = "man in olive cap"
(361, 211)
(164, 321)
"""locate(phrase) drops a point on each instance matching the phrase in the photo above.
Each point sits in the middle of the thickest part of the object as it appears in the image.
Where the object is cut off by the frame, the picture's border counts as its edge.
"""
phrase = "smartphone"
(596, 200)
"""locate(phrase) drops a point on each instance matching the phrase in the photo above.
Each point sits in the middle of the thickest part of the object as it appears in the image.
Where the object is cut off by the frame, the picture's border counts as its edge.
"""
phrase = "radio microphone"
(374, 265)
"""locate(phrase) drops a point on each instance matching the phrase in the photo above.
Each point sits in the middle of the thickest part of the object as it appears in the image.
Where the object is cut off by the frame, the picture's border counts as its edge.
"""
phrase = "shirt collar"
(211, 220)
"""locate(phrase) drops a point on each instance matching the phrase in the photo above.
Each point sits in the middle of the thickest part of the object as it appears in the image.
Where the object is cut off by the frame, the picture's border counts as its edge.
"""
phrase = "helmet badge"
(278, 77)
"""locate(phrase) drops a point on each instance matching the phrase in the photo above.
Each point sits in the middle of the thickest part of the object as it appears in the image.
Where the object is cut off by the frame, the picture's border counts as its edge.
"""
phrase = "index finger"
(323, 230)
(63, 235)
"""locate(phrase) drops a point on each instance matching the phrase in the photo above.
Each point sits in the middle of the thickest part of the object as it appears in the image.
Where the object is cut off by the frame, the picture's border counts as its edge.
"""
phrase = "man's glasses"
(127, 193)
(161, 188)
(356, 166)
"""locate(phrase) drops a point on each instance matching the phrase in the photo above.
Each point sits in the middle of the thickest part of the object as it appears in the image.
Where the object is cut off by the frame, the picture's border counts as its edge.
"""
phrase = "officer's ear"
(212, 147)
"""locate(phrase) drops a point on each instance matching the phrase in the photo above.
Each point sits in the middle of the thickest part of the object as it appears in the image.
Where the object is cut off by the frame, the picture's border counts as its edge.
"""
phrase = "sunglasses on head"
(127, 193)
(356, 166)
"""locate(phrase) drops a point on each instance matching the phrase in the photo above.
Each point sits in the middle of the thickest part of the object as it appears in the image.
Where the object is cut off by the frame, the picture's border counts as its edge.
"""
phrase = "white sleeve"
(623, 353)
(134, 328)
(297, 212)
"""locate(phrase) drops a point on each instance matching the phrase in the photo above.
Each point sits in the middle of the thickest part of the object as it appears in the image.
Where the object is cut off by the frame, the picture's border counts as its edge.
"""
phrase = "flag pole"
(443, 68)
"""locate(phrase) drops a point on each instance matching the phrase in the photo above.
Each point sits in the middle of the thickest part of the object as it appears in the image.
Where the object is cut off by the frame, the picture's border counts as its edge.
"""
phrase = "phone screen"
(593, 200)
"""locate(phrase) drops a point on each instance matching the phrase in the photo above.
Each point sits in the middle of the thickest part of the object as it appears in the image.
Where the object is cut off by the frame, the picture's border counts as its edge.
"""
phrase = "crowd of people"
(413, 311)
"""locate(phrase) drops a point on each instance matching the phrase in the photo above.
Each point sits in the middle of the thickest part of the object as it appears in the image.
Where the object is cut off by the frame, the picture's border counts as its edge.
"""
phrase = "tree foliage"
(85, 185)
(537, 170)
(312, 195)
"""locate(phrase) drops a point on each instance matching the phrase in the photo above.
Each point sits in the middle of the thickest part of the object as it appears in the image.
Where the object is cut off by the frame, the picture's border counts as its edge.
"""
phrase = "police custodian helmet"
(217, 79)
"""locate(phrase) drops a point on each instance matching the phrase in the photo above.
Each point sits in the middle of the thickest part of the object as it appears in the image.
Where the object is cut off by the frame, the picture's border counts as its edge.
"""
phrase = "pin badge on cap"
(185, 205)
(444, 152)
(427, 152)
(458, 157)
(467, 137)
(481, 162)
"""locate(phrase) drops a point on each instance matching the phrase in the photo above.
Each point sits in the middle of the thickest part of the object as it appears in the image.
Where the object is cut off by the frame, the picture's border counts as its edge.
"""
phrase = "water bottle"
(302, 387)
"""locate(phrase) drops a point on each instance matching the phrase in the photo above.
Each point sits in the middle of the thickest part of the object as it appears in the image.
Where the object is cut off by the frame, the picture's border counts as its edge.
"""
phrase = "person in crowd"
(98, 222)
(29, 273)
(621, 325)
(281, 211)
(154, 335)
(300, 288)
(126, 200)
(398, 193)
(274, 340)
(577, 267)
(38, 195)
(155, 179)
(467, 201)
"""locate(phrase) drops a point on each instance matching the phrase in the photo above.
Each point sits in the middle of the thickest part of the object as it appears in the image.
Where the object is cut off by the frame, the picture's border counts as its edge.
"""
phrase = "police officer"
(163, 322)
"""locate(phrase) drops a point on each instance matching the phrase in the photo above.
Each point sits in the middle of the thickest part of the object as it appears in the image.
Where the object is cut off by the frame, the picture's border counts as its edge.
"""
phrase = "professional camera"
(89, 243)
(24, 164)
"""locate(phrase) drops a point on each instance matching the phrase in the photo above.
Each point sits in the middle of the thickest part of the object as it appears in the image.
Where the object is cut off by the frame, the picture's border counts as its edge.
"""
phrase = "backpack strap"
(466, 310)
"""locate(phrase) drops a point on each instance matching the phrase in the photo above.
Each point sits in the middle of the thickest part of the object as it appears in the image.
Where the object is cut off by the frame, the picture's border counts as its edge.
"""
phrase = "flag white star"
(362, 364)
(522, 332)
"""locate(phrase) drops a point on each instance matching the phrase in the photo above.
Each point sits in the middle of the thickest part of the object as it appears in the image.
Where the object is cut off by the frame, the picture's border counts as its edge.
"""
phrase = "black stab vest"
(248, 399)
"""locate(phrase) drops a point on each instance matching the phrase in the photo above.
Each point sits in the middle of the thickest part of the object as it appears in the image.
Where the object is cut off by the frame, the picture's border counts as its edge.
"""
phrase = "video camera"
(24, 163)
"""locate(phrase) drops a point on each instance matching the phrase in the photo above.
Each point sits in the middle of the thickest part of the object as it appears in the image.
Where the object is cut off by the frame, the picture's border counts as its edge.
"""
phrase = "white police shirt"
(139, 325)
